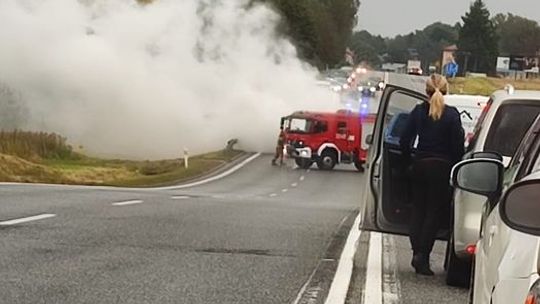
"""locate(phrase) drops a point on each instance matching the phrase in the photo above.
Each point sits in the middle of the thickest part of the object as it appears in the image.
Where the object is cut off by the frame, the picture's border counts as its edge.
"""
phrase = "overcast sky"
(393, 17)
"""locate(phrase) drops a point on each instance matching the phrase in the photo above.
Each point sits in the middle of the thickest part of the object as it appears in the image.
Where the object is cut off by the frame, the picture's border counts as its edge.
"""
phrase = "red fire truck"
(326, 138)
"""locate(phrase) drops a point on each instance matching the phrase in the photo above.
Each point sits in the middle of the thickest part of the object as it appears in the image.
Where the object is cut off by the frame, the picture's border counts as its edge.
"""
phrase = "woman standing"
(440, 146)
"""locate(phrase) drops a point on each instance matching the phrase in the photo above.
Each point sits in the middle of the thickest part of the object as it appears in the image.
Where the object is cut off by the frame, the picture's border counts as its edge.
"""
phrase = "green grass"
(38, 157)
(93, 171)
(486, 86)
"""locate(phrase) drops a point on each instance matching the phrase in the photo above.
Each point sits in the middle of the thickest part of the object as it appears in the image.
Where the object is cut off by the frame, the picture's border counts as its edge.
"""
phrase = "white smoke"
(146, 81)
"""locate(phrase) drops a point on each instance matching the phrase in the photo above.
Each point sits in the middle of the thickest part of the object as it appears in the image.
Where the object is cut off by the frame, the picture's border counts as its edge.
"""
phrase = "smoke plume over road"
(145, 81)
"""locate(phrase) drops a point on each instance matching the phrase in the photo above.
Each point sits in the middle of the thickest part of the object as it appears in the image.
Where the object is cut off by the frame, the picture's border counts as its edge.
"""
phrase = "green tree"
(518, 35)
(478, 37)
(320, 29)
(367, 47)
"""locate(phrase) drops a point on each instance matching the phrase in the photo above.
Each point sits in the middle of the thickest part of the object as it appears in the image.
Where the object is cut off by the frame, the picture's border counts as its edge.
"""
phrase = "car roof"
(474, 101)
(503, 95)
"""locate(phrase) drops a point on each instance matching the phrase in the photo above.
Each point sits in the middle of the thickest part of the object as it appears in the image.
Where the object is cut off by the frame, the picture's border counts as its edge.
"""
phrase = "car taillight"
(471, 249)
(534, 294)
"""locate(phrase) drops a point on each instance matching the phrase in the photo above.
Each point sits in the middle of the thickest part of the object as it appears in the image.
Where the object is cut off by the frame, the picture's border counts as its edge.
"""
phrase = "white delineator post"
(186, 158)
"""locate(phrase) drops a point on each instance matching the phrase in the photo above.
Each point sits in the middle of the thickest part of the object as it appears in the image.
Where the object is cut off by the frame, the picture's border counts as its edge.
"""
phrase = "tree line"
(479, 36)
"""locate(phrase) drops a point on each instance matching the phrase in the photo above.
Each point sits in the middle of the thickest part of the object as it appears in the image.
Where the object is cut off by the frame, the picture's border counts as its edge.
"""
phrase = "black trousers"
(431, 195)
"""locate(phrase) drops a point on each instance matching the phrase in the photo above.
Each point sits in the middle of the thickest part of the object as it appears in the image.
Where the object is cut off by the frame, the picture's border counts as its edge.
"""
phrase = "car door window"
(532, 162)
(395, 119)
(509, 126)
(527, 154)
(479, 124)
(516, 170)
(536, 166)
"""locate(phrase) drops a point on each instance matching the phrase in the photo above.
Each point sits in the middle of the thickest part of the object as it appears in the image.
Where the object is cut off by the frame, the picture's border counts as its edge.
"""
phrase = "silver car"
(498, 132)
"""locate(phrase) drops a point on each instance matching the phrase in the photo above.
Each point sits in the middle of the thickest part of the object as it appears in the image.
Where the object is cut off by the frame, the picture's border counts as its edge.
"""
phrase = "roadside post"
(186, 158)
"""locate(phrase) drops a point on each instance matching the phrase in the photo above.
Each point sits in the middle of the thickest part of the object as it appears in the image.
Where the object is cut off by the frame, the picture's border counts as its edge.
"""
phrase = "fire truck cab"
(324, 138)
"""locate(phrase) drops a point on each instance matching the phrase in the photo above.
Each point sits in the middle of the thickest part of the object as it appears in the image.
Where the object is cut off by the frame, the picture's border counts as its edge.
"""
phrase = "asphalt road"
(256, 236)
(260, 235)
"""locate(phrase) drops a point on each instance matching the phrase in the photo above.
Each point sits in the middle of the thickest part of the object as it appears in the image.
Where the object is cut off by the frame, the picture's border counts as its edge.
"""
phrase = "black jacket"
(443, 138)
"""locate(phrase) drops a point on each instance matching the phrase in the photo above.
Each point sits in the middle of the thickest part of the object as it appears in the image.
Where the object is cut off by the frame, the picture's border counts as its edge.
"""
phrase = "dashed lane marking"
(294, 185)
(302, 178)
(126, 203)
(273, 195)
(285, 190)
(180, 197)
(27, 219)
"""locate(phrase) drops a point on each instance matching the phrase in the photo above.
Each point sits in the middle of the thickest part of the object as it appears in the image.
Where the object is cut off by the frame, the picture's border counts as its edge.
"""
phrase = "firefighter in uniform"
(279, 149)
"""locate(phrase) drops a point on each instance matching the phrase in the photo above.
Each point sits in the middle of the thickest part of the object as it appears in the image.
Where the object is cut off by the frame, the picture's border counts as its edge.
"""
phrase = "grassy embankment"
(486, 86)
(46, 158)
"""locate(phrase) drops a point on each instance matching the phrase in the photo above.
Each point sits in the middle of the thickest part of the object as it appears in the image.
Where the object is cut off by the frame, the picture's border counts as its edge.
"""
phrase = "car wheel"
(303, 163)
(458, 271)
(328, 160)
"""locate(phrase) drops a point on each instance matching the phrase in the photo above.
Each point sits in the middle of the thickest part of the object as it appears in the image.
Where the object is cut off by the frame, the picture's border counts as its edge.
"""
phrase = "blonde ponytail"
(436, 87)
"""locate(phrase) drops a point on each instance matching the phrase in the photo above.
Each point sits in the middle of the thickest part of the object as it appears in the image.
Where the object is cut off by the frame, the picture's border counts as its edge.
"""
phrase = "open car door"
(387, 195)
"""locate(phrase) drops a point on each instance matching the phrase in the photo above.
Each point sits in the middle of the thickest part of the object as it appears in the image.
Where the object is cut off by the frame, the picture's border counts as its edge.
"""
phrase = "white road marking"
(126, 203)
(213, 178)
(303, 289)
(302, 178)
(391, 285)
(342, 277)
(373, 287)
(294, 185)
(273, 195)
(27, 219)
(180, 197)
(308, 170)
(284, 190)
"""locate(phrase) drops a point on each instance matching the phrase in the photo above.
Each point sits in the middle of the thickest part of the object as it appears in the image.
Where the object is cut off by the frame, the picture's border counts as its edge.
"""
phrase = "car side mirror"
(490, 155)
(520, 207)
(480, 176)
(369, 139)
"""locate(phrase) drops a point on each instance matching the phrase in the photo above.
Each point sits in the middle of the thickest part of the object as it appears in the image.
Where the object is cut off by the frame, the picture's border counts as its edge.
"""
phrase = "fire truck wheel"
(303, 163)
(328, 160)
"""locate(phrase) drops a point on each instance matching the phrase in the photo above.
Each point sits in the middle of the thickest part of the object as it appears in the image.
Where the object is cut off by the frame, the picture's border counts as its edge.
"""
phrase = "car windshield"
(509, 125)
(300, 125)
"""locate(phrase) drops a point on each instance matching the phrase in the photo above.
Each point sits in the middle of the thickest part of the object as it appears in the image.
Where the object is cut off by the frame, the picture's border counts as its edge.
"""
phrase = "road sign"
(451, 69)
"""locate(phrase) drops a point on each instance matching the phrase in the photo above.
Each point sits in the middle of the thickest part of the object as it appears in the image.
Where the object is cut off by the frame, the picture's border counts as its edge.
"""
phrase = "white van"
(470, 107)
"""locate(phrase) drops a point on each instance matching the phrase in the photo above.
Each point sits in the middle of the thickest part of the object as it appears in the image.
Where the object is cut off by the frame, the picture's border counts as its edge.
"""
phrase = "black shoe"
(420, 263)
(424, 270)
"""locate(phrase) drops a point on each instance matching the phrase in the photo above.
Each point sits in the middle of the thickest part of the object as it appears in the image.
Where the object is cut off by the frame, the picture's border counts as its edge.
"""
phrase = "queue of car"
(494, 232)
